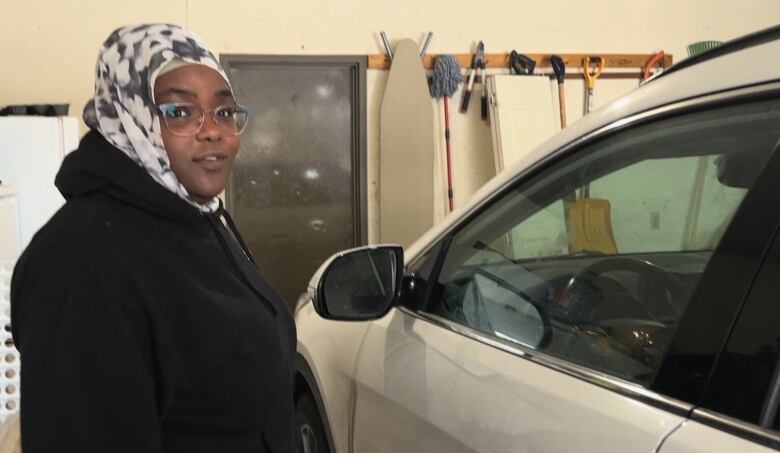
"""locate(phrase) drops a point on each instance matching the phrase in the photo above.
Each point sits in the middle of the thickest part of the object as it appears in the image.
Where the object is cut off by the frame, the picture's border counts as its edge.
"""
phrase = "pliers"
(477, 63)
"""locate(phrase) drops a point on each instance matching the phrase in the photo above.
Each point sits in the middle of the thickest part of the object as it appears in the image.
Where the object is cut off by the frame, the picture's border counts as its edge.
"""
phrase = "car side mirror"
(359, 284)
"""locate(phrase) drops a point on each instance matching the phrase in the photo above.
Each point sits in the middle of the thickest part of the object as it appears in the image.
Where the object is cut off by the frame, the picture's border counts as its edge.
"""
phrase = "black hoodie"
(144, 325)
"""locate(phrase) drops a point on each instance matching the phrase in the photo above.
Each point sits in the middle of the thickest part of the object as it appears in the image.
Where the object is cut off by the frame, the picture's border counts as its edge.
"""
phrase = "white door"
(695, 437)
(539, 324)
(521, 114)
(422, 388)
(31, 152)
(9, 224)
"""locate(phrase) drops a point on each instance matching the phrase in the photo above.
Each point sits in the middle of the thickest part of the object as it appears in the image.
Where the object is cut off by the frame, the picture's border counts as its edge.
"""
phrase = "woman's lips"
(212, 162)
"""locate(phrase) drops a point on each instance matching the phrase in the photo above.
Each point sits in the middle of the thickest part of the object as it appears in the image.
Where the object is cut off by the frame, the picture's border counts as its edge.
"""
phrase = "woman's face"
(202, 162)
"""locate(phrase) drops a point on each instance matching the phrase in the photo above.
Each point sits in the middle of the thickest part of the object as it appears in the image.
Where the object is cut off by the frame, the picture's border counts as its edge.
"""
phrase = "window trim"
(651, 395)
(744, 430)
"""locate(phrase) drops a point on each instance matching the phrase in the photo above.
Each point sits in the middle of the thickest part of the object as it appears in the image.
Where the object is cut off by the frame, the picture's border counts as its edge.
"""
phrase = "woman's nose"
(209, 131)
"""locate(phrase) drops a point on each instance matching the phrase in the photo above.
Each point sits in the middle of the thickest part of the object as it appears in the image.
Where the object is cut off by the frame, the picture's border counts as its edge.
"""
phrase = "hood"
(98, 166)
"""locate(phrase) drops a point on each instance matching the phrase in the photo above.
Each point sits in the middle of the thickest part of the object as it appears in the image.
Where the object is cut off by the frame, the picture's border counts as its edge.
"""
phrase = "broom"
(446, 78)
(702, 46)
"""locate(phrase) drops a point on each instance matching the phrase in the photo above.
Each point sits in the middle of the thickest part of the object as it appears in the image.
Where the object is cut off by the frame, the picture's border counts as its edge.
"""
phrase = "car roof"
(735, 45)
(745, 61)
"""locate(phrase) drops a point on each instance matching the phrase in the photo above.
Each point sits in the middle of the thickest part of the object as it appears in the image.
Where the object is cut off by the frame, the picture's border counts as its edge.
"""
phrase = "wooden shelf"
(572, 60)
(569, 76)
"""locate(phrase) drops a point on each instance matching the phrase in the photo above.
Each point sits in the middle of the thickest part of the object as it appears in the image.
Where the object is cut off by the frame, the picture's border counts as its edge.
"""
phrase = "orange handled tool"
(653, 62)
(590, 78)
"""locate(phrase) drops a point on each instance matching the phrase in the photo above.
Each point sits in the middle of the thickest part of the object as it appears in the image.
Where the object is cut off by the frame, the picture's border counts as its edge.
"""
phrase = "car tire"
(309, 430)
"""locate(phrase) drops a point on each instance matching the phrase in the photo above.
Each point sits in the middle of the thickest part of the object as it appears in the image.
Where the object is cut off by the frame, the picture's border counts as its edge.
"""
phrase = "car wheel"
(310, 432)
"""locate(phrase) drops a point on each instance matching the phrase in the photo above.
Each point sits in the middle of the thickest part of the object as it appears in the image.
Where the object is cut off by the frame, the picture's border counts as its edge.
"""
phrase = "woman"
(143, 323)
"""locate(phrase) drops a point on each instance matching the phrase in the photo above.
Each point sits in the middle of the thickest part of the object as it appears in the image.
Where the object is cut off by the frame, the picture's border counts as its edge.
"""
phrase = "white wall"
(48, 48)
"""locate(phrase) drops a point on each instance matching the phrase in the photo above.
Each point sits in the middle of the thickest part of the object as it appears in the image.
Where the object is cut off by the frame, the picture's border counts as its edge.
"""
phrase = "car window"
(418, 277)
(595, 257)
(647, 213)
(746, 381)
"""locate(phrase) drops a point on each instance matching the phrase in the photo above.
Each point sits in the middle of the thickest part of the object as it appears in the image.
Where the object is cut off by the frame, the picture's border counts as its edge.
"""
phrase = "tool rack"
(618, 65)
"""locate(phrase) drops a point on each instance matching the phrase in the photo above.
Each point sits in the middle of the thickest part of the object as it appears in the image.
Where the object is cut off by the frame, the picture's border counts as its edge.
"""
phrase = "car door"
(544, 320)
(739, 407)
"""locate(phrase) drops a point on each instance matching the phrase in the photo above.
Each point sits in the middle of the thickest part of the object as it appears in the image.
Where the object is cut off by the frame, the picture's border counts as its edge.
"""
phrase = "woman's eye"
(177, 111)
(180, 112)
(226, 112)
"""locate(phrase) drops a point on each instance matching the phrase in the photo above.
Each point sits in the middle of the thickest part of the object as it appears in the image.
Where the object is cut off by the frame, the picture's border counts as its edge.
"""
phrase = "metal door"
(297, 190)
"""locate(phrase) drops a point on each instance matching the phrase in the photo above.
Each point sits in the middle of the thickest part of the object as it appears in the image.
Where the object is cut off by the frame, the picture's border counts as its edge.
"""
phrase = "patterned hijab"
(123, 109)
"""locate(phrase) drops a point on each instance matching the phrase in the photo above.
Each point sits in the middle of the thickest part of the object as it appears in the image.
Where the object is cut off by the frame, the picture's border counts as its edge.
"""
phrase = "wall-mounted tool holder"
(618, 65)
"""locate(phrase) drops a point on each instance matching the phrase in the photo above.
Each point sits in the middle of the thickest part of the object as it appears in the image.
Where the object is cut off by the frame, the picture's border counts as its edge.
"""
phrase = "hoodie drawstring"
(214, 220)
(232, 225)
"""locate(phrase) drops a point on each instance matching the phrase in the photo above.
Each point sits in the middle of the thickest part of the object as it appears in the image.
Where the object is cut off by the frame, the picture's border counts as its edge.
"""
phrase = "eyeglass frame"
(202, 118)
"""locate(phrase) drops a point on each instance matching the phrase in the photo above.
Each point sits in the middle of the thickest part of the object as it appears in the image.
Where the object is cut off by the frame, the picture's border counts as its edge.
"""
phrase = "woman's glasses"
(184, 119)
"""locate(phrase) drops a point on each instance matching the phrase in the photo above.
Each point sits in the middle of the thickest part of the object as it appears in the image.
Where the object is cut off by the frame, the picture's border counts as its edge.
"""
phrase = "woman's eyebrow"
(180, 91)
(224, 93)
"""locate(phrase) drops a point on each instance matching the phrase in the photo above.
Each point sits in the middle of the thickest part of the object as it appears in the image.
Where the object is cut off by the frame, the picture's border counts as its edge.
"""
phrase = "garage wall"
(48, 48)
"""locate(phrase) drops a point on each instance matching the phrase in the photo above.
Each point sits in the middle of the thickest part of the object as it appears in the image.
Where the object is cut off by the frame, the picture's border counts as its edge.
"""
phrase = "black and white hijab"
(123, 109)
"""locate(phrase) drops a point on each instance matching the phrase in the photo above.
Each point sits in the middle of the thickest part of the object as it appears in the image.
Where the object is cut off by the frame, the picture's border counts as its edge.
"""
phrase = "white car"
(618, 290)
